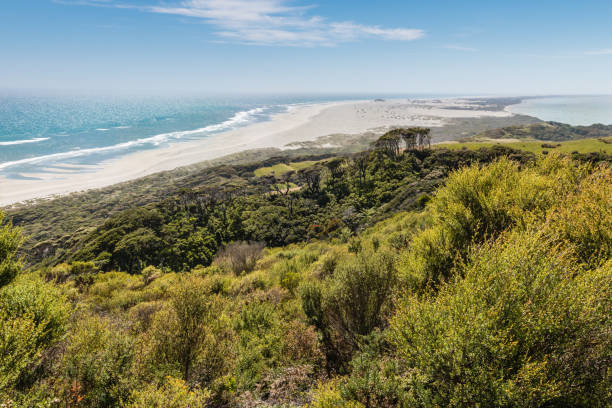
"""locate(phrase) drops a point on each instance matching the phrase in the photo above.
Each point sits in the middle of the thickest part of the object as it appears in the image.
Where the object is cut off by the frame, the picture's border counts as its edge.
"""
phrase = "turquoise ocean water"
(575, 110)
(54, 133)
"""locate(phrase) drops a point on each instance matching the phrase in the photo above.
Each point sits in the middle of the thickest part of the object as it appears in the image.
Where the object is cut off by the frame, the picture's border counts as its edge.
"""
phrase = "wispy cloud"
(269, 22)
(606, 51)
(460, 48)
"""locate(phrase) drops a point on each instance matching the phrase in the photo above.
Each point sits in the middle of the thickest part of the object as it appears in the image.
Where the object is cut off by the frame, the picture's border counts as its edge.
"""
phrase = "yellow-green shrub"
(172, 393)
(33, 317)
(584, 217)
(517, 330)
(98, 362)
(477, 203)
(327, 395)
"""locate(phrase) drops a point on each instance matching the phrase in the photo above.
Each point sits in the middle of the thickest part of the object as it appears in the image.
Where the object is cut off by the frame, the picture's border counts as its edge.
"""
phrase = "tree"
(360, 163)
(311, 176)
(335, 167)
(389, 144)
(414, 138)
(409, 137)
(423, 137)
(137, 248)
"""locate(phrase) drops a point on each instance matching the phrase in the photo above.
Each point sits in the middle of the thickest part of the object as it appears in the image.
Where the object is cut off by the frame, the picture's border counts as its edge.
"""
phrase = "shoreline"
(300, 124)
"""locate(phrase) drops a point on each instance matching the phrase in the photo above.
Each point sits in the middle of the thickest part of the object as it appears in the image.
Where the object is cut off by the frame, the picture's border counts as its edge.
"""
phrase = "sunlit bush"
(33, 317)
(511, 331)
(172, 393)
(189, 338)
(327, 395)
(584, 217)
(480, 203)
(98, 362)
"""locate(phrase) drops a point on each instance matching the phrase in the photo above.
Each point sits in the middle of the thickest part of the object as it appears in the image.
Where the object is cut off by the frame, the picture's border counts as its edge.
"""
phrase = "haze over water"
(575, 110)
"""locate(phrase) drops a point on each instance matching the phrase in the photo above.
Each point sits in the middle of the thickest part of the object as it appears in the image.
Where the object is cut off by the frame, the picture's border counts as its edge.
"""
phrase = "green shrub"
(584, 217)
(521, 329)
(327, 395)
(188, 337)
(150, 273)
(359, 294)
(329, 264)
(261, 343)
(98, 362)
(375, 378)
(479, 203)
(173, 393)
(33, 317)
(10, 241)
(239, 257)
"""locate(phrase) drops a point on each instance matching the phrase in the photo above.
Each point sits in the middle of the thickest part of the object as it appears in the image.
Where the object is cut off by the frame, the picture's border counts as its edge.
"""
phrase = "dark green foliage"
(191, 227)
(185, 231)
(375, 378)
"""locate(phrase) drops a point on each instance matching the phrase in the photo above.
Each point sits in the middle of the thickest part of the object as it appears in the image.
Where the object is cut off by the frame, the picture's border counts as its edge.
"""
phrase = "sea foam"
(26, 141)
(239, 119)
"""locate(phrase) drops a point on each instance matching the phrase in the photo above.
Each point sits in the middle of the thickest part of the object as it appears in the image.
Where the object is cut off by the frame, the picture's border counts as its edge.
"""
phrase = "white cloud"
(271, 22)
(607, 51)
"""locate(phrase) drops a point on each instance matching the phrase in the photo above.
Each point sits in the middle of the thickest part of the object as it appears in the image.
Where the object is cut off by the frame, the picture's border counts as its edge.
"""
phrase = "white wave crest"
(26, 141)
(239, 118)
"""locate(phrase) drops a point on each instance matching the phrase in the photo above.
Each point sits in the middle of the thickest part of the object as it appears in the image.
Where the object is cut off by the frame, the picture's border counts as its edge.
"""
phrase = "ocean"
(52, 133)
(41, 134)
(574, 110)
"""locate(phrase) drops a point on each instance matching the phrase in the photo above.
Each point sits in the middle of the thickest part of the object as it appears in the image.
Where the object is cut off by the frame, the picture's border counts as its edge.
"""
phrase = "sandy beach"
(300, 123)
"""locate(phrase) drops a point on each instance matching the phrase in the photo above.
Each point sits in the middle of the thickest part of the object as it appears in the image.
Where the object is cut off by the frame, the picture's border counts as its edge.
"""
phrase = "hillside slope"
(498, 290)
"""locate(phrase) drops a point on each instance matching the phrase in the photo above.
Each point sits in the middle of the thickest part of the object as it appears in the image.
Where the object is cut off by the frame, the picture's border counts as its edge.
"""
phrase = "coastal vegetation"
(398, 276)
(548, 131)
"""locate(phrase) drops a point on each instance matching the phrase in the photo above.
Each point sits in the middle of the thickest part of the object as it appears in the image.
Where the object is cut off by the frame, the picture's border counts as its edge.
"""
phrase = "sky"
(469, 47)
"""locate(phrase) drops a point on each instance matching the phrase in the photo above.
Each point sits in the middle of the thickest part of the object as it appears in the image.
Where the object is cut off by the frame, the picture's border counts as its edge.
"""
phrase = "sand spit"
(299, 124)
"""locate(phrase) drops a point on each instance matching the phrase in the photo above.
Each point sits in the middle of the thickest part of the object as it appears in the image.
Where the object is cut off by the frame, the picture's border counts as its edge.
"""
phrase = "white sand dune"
(303, 123)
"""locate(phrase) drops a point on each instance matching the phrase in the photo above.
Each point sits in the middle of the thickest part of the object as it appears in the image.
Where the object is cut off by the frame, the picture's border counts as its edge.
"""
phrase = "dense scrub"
(492, 290)
(549, 131)
(335, 197)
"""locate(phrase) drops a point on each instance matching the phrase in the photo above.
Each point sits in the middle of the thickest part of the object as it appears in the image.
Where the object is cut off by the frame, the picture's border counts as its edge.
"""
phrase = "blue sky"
(329, 46)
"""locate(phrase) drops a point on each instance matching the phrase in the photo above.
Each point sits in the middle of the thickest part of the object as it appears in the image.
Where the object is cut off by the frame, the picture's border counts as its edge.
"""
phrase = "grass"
(281, 168)
(581, 146)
